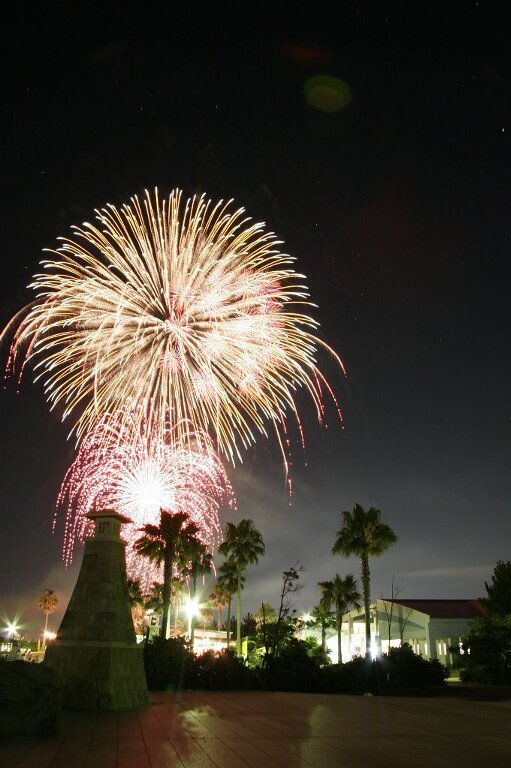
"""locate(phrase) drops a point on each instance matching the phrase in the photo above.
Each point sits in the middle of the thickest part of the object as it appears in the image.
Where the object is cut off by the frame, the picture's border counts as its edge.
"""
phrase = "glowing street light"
(305, 620)
(191, 608)
(12, 629)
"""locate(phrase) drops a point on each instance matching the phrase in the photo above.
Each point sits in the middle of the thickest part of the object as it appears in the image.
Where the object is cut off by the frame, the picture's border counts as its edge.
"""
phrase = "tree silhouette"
(162, 543)
(323, 617)
(219, 598)
(498, 601)
(342, 594)
(364, 535)
(228, 580)
(243, 546)
(198, 562)
(47, 602)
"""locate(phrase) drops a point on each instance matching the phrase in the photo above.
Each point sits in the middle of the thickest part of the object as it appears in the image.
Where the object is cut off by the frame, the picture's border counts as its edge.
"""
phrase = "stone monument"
(95, 653)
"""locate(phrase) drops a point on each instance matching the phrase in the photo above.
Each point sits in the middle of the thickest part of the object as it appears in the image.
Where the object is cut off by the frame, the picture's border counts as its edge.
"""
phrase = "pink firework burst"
(124, 465)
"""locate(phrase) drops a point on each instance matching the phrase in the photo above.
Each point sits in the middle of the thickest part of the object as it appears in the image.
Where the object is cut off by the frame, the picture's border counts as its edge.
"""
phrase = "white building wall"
(429, 637)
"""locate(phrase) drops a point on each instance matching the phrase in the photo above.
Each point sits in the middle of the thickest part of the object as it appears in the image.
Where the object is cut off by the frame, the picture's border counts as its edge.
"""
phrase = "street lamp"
(11, 629)
(305, 620)
(191, 609)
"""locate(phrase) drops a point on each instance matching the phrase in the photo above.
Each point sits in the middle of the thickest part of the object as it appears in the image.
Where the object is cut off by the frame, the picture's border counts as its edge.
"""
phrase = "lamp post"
(12, 630)
(191, 609)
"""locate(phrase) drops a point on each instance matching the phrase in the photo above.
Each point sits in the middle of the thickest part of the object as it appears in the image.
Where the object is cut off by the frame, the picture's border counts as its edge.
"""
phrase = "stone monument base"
(99, 676)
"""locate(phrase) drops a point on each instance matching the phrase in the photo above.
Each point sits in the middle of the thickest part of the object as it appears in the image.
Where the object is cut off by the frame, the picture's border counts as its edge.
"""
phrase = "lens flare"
(137, 477)
(182, 308)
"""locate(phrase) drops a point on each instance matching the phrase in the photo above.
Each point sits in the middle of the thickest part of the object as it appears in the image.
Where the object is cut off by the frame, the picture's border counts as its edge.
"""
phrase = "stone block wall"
(99, 677)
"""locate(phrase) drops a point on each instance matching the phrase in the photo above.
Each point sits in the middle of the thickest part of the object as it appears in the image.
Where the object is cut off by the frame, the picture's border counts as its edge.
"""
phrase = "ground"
(290, 730)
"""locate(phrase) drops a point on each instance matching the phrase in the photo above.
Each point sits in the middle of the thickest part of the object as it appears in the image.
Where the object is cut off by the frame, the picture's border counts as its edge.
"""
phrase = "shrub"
(221, 671)
(352, 677)
(167, 664)
(487, 657)
(30, 699)
(401, 671)
(170, 665)
(292, 670)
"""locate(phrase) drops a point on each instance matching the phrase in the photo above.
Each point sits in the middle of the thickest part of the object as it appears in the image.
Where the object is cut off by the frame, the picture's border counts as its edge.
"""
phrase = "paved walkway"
(277, 730)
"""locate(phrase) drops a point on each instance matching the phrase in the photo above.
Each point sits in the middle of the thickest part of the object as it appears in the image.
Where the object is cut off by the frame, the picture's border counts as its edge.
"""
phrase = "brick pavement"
(277, 730)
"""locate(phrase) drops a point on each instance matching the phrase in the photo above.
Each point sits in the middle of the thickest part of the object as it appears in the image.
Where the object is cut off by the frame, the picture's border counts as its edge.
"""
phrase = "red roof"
(446, 609)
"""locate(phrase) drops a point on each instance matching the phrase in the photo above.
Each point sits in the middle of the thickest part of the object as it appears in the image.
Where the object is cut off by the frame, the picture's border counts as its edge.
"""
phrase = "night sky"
(396, 206)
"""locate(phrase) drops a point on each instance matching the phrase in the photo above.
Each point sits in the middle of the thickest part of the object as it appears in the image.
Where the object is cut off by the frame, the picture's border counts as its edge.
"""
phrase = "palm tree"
(162, 544)
(218, 599)
(179, 589)
(227, 579)
(342, 594)
(243, 545)
(363, 534)
(47, 602)
(198, 562)
(323, 617)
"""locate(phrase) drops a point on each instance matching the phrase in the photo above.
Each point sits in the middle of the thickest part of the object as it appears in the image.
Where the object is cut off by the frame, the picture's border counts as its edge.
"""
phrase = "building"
(431, 627)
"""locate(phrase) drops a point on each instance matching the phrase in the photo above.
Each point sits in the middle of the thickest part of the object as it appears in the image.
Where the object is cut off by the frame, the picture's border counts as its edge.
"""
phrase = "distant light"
(11, 629)
(306, 617)
(191, 607)
(326, 93)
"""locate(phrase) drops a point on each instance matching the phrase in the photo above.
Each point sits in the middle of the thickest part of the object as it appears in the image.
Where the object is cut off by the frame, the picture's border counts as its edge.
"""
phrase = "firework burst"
(137, 478)
(185, 307)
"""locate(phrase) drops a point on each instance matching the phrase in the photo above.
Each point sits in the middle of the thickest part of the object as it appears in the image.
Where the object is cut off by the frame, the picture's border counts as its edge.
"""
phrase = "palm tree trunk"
(46, 613)
(192, 620)
(323, 636)
(366, 592)
(238, 615)
(176, 612)
(339, 629)
(219, 609)
(167, 593)
(229, 622)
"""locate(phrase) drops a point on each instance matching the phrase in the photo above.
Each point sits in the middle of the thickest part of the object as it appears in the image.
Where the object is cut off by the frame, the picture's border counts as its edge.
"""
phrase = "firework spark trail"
(185, 306)
(137, 478)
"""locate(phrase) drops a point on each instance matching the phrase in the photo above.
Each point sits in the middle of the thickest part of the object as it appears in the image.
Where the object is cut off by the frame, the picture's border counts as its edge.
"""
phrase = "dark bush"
(170, 665)
(487, 657)
(167, 664)
(222, 671)
(356, 676)
(30, 699)
(402, 671)
(292, 670)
